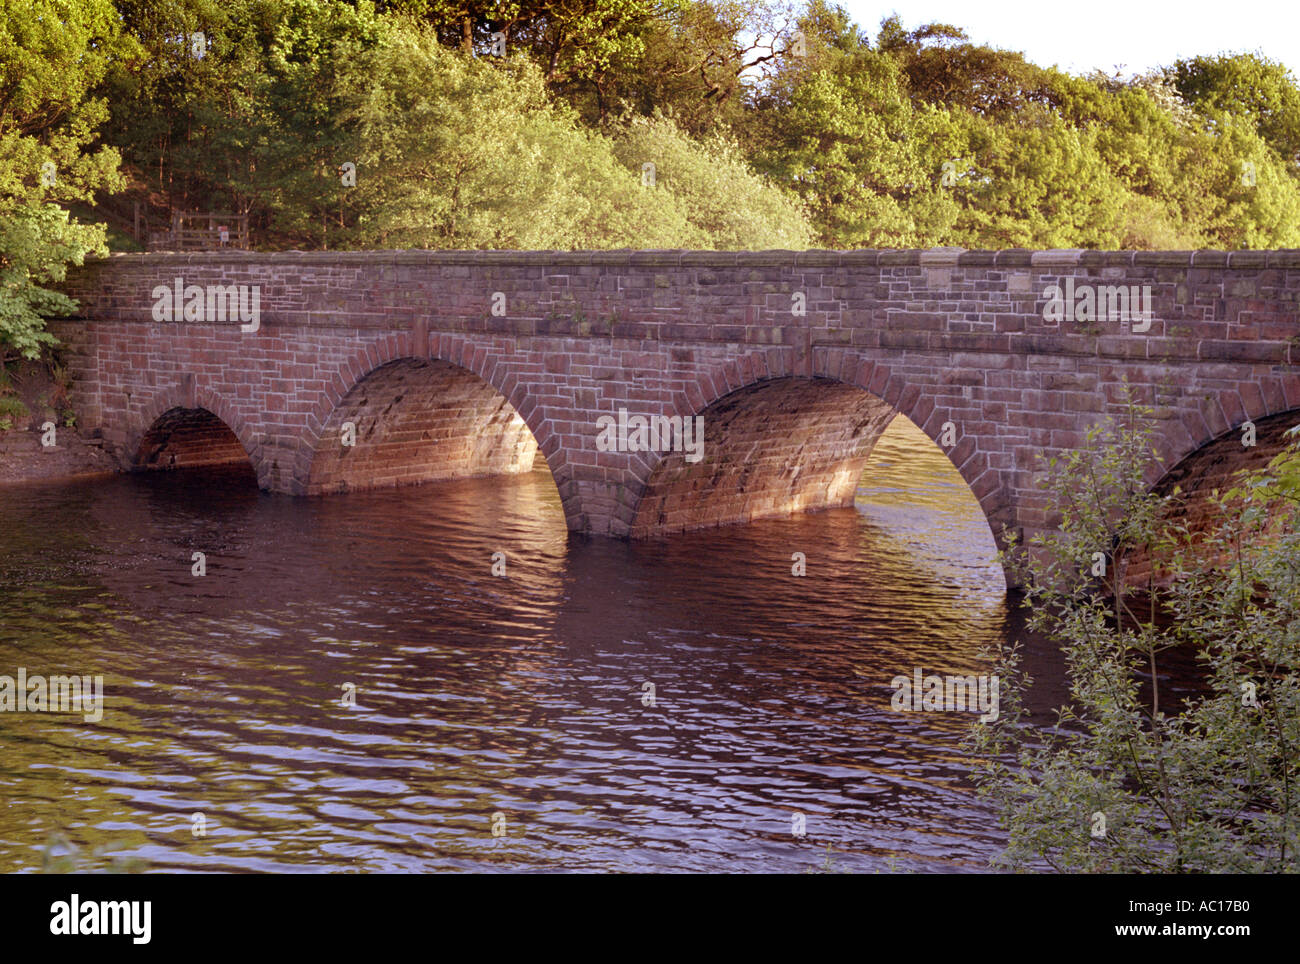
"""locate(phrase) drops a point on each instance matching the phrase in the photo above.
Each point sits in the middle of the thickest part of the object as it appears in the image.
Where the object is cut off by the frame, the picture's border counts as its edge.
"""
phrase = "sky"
(1134, 35)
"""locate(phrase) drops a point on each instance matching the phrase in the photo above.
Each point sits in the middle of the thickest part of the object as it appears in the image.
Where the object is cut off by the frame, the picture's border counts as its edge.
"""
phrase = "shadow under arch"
(775, 447)
(1210, 466)
(184, 427)
(410, 420)
(779, 441)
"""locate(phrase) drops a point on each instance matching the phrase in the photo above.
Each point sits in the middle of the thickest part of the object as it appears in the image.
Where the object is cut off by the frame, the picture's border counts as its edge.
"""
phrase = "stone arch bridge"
(449, 363)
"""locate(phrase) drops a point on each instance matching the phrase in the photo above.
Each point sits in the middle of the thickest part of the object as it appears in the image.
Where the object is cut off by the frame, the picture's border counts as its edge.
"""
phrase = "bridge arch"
(843, 399)
(1203, 448)
(1216, 416)
(212, 431)
(444, 412)
(1213, 465)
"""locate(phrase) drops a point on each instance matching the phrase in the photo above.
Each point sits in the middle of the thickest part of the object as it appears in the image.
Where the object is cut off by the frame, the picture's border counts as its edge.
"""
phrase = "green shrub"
(12, 409)
(1131, 778)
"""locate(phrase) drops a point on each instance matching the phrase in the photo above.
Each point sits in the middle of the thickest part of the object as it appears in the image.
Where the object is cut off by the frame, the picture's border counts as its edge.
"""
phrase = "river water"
(350, 688)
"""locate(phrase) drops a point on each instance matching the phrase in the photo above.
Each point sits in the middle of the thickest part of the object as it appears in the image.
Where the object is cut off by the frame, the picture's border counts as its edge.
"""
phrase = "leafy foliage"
(1135, 777)
(726, 205)
(453, 152)
(1248, 88)
(769, 125)
(52, 54)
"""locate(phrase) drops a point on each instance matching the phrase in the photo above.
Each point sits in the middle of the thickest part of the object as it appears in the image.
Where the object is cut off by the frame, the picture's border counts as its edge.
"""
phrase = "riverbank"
(23, 459)
(33, 396)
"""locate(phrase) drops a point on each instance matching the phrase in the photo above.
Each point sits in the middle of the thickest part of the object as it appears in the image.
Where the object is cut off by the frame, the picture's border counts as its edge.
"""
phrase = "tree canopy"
(53, 54)
(534, 124)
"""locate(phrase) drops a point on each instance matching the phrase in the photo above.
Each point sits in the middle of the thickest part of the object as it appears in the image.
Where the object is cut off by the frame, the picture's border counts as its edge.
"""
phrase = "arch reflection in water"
(478, 694)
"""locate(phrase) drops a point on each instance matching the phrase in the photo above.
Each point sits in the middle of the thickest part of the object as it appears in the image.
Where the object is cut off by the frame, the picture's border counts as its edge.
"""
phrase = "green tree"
(1037, 184)
(698, 62)
(52, 54)
(729, 206)
(455, 152)
(303, 92)
(926, 139)
(570, 39)
(169, 89)
(1135, 777)
(922, 139)
(839, 127)
(252, 126)
(942, 67)
(1249, 88)
(1190, 184)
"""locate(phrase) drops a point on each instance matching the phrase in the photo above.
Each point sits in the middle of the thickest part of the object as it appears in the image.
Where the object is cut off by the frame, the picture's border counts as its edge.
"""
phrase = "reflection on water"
(477, 695)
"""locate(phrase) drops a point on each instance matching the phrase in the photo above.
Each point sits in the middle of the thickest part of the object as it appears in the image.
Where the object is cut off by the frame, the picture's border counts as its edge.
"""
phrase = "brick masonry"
(940, 335)
(415, 420)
